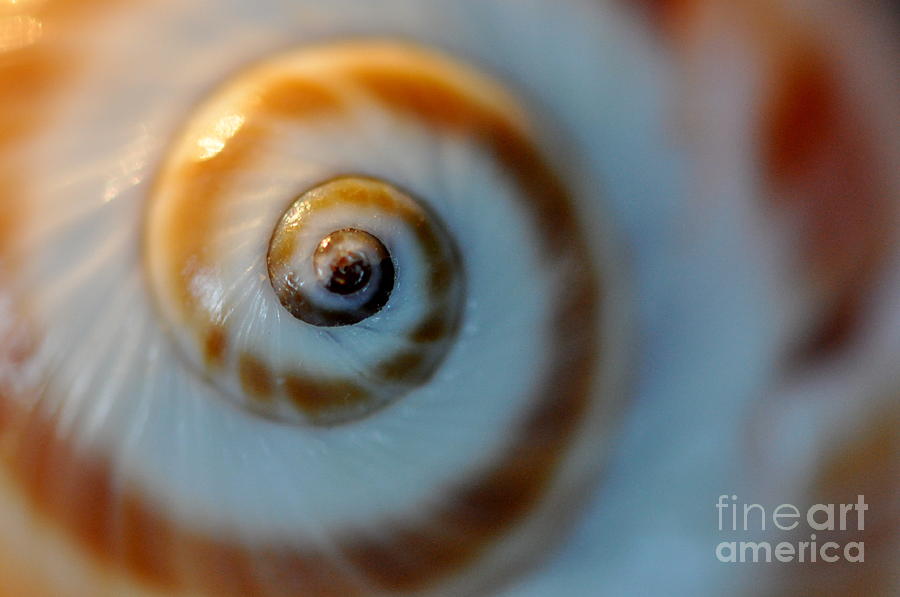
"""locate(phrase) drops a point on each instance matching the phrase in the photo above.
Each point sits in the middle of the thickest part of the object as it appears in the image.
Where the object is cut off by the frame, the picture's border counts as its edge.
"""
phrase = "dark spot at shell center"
(350, 273)
(355, 264)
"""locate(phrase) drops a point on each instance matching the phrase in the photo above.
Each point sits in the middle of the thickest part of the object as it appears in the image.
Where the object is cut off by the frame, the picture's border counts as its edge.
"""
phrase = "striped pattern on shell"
(357, 299)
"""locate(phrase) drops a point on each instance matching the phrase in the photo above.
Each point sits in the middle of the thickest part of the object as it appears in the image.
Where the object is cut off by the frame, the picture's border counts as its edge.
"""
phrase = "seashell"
(380, 477)
(450, 299)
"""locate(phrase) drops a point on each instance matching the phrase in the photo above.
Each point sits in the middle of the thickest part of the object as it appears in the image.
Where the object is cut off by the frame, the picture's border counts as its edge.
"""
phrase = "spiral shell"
(320, 299)
(296, 274)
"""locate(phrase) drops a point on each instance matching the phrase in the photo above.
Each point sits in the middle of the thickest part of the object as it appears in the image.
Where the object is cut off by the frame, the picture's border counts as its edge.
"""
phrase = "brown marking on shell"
(146, 544)
(820, 160)
(404, 367)
(441, 266)
(318, 397)
(281, 248)
(12, 214)
(215, 345)
(28, 78)
(297, 98)
(433, 328)
(256, 379)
